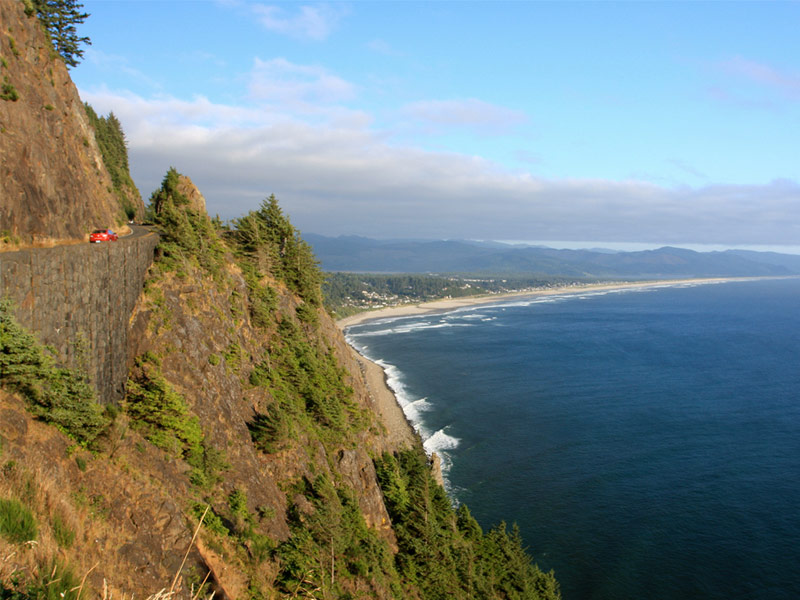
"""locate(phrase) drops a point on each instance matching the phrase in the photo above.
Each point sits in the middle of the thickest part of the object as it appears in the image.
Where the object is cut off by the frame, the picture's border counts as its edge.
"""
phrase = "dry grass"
(32, 490)
(40, 560)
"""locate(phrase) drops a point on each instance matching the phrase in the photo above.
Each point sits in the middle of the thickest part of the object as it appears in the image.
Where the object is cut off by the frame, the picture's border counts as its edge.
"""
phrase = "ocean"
(646, 440)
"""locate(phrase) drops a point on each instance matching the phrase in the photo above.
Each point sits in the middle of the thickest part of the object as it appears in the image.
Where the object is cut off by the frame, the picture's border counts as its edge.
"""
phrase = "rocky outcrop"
(53, 184)
(197, 201)
(79, 298)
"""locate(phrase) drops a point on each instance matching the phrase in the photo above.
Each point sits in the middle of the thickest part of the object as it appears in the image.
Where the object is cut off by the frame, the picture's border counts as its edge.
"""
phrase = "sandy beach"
(439, 306)
(400, 431)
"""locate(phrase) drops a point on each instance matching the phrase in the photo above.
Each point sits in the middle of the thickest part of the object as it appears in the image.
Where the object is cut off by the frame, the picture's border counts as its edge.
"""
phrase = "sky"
(605, 123)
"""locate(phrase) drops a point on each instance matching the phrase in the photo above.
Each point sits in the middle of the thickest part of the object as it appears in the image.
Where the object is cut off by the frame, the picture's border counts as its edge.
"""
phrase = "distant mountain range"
(359, 254)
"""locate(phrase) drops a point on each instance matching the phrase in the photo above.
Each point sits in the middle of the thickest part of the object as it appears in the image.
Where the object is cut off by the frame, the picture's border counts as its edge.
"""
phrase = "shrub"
(212, 521)
(56, 581)
(187, 236)
(443, 551)
(56, 395)
(307, 314)
(162, 415)
(8, 91)
(17, 524)
(159, 412)
(62, 532)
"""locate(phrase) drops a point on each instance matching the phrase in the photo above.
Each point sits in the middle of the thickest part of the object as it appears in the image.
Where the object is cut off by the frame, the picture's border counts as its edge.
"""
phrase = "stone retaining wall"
(81, 296)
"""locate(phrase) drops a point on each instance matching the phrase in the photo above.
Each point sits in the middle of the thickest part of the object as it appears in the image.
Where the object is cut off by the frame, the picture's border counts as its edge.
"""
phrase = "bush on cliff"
(187, 235)
(56, 395)
(331, 546)
(444, 552)
(163, 416)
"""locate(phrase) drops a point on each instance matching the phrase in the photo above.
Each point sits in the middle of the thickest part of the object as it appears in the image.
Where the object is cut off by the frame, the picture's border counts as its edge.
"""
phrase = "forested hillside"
(247, 459)
(114, 148)
(246, 410)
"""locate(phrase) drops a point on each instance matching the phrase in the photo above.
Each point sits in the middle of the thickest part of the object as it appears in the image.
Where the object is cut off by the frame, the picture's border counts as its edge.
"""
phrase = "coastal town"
(349, 293)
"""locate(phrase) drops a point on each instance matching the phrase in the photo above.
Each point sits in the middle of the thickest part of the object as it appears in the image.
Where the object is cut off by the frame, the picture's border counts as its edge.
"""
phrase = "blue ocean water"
(646, 441)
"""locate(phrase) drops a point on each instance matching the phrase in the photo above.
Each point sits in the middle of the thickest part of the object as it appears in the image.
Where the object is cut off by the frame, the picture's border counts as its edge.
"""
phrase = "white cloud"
(107, 62)
(338, 176)
(469, 113)
(309, 22)
(751, 84)
(297, 86)
(382, 47)
(785, 83)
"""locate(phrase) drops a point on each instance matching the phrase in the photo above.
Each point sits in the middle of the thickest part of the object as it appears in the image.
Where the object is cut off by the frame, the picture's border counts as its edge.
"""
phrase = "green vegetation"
(6, 237)
(55, 581)
(305, 405)
(331, 546)
(273, 246)
(114, 148)
(7, 91)
(56, 395)
(159, 412)
(308, 391)
(60, 18)
(62, 532)
(187, 236)
(12, 44)
(444, 552)
(162, 415)
(17, 524)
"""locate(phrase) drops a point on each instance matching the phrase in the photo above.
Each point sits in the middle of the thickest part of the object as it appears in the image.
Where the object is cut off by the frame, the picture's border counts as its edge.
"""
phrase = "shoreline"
(401, 430)
(449, 304)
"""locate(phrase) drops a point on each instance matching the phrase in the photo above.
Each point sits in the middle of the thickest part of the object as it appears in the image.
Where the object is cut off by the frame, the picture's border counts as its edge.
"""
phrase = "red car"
(102, 235)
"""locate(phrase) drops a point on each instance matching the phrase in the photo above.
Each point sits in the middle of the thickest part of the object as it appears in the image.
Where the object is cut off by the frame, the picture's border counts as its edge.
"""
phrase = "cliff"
(53, 183)
(198, 426)
(246, 419)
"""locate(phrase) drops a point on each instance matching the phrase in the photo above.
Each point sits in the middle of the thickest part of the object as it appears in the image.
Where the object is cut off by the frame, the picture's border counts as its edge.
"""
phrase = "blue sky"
(646, 122)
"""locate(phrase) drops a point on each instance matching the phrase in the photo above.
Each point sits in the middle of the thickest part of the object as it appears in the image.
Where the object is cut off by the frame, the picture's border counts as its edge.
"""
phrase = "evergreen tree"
(273, 244)
(114, 148)
(60, 18)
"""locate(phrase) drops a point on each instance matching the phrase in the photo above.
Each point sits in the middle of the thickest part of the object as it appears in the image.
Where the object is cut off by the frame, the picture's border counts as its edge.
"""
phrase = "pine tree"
(60, 18)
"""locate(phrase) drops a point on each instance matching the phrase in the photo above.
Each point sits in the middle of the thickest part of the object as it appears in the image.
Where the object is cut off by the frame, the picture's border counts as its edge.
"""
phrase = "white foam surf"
(406, 328)
(439, 442)
(414, 407)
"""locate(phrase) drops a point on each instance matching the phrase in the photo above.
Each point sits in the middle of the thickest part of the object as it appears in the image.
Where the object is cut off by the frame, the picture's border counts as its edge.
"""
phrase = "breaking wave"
(413, 408)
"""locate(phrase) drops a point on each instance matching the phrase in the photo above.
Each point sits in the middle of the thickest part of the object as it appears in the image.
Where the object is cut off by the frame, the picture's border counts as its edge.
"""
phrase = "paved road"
(137, 231)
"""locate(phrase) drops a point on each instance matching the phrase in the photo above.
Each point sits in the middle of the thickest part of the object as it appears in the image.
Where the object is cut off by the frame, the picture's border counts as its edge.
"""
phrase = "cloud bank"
(335, 174)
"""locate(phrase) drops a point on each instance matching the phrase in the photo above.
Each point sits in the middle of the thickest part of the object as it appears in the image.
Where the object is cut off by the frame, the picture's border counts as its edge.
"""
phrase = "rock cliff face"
(53, 184)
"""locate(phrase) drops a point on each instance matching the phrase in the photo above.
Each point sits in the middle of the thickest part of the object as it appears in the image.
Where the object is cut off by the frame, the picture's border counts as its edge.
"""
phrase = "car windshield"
(99, 231)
